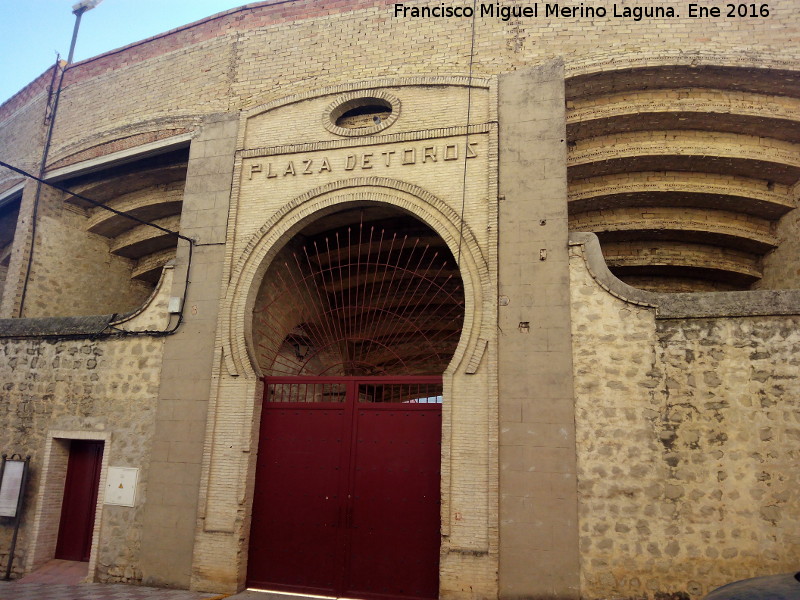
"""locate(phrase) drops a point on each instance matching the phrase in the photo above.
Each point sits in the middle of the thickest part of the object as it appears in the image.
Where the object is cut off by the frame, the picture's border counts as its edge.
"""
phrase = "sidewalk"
(14, 590)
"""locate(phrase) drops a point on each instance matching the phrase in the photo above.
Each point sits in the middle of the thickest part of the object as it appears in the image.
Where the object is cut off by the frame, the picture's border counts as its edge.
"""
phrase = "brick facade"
(596, 437)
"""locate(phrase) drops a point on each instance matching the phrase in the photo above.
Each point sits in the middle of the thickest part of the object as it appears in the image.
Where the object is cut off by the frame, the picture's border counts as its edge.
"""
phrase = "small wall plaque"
(121, 486)
(11, 487)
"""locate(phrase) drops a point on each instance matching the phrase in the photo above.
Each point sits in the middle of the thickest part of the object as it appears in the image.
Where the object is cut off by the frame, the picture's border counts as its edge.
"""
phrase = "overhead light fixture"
(78, 10)
(82, 7)
(300, 350)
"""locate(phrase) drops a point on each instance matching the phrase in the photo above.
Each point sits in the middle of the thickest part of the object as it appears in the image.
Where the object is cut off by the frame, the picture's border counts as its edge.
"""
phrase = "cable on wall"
(466, 139)
(49, 120)
(176, 234)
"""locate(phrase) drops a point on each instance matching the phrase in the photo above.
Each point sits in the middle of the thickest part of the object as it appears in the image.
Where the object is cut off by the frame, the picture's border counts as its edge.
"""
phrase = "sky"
(32, 32)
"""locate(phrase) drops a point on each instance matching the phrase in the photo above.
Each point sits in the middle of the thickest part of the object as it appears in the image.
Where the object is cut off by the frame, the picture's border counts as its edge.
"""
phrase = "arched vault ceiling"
(150, 189)
(148, 268)
(143, 239)
(367, 290)
(678, 284)
(113, 185)
(694, 151)
(745, 195)
(147, 204)
(782, 82)
(720, 228)
(759, 115)
(677, 259)
(685, 173)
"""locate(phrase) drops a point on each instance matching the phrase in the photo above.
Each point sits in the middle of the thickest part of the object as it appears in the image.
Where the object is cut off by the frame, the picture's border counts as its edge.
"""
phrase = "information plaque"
(11, 487)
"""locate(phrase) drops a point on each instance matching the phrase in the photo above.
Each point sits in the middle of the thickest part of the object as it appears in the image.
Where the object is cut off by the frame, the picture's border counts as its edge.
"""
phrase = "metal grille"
(413, 393)
(376, 390)
(364, 300)
(306, 392)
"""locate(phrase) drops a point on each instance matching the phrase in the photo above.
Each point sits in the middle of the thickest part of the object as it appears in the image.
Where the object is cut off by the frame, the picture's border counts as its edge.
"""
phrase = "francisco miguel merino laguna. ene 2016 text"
(505, 13)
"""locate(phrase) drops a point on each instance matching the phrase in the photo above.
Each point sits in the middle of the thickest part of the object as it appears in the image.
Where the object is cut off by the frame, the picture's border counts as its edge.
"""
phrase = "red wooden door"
(79, 504)
(346, 501)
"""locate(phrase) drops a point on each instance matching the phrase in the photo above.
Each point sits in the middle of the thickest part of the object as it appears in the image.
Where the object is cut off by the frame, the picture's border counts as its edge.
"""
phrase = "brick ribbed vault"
(150, 189)
(684, 173)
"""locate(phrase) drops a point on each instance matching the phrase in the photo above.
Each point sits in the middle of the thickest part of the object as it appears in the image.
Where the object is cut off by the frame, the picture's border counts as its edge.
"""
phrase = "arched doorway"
(355, 322)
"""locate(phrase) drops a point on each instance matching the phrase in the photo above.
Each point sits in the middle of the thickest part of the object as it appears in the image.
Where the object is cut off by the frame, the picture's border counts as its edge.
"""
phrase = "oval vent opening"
(362, 113)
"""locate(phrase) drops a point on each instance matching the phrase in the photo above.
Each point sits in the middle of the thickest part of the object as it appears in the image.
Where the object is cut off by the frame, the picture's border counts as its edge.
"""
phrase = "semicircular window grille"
(363, 300)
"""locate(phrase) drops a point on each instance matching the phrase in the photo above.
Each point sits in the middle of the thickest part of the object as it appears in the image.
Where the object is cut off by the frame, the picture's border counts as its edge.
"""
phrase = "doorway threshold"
(289, 595)
(57, 571)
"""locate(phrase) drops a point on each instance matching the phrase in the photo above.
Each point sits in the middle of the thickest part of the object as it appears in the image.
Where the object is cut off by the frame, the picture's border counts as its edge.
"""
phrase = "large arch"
(355, 321)
(319, 202)
(235, 404)
(366, 291)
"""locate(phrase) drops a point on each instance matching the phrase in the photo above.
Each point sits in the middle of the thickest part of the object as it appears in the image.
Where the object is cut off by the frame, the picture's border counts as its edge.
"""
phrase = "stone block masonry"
(538, 520)
(170, 518)
(90, 388)
(687, 444)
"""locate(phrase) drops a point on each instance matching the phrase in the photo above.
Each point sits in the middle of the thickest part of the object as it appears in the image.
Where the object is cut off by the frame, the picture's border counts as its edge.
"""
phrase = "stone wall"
(56, 389)
(781, 268)
(688, 440)
(73, 271)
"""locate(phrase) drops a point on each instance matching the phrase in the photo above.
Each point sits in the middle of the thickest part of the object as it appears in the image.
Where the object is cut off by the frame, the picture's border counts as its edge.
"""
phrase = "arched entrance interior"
(356, 320)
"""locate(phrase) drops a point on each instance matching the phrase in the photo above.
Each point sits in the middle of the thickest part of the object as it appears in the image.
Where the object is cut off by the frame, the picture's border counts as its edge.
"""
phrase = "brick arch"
(130, 138)
(264, 245)
(373, 85)
(603, 73)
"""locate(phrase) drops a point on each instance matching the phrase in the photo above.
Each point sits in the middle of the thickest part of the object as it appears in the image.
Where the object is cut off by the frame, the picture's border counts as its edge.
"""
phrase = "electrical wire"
(42, 164)
(466, 139)
(116, 330)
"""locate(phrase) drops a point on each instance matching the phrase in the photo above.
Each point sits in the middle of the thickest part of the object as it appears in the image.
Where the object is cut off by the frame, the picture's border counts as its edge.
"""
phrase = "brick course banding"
(598, 440)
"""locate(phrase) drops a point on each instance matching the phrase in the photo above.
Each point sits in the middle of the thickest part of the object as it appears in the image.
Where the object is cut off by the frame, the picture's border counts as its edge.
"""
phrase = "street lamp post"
(78, 10)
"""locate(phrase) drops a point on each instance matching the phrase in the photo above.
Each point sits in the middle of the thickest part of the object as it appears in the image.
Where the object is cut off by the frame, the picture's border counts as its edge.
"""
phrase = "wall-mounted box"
(121, 486)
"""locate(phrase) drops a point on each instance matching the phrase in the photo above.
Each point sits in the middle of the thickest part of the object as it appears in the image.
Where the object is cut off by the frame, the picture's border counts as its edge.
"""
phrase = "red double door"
(346, 500)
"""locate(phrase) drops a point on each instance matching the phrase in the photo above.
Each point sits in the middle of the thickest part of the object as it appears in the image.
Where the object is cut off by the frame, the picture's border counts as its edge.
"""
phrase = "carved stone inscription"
(362, 160)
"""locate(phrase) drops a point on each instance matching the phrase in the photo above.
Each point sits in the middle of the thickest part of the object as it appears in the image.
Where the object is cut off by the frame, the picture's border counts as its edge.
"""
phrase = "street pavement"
(14, 590)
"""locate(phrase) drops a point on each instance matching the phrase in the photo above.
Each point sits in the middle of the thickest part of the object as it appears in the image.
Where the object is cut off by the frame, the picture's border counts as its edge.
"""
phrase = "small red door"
(79, 504)
(346, 500)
